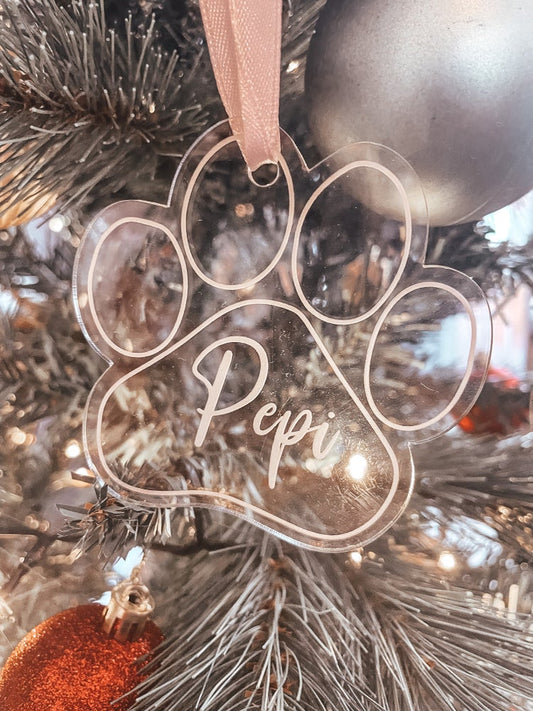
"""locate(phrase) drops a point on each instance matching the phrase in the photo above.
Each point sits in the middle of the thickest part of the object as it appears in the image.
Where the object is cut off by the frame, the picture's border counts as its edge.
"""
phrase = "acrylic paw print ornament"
(274, 348)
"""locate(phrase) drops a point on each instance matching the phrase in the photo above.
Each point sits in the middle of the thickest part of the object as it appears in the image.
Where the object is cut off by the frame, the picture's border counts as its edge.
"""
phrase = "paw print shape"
(274, 346)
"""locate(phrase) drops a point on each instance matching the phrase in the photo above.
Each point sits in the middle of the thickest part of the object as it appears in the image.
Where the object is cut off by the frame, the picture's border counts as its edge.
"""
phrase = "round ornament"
(445, 84)
(70, 662)
(502, 408)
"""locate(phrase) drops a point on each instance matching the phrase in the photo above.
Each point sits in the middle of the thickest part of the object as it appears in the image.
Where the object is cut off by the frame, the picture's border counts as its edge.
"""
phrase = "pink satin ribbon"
(244, 40)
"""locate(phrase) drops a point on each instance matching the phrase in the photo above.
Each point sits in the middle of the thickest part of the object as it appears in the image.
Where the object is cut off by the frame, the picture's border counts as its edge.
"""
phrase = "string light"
(72, 449)
(357, 467)
(356, 558)
(18, 436)
(446, 561)
(56, 223)
(244, 209)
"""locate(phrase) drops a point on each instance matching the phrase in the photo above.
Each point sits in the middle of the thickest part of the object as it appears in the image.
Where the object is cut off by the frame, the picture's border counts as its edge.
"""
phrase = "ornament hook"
(128, 610)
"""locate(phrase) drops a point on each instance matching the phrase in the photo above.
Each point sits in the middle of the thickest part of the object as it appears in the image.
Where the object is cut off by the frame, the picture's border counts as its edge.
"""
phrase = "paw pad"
(274, 350)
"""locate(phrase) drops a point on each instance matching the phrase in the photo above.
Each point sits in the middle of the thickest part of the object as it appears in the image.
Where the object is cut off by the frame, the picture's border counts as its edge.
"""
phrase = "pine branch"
(271, 636)
(470, 479)
(284, 629)
(437, 647)
(496, 268)
(299, 21)
(83, 103)
(82, 106)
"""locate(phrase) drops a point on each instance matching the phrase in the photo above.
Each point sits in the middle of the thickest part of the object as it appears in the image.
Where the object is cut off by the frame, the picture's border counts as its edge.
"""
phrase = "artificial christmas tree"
(98, 103)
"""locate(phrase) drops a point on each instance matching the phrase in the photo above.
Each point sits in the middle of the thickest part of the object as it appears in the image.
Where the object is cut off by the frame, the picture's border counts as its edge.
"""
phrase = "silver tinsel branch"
(435, 616)
(262, 625)
(269, 636)
(81, 102)
(480, 479)
(84, 102)
(287, 629)
(438, 647)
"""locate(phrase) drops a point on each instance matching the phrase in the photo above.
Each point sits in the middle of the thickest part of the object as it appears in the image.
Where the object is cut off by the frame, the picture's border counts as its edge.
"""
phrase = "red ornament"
(69, 663)
(502, 407)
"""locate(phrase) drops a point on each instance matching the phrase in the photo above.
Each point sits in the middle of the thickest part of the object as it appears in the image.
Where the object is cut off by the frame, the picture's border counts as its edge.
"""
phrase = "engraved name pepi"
(289, 428)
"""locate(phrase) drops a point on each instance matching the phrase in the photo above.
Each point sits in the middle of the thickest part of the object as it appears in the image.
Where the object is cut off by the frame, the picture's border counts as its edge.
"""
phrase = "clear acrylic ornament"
(274, 347)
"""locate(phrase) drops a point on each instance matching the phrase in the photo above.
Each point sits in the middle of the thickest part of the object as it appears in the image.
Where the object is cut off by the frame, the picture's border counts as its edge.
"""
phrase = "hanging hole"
(266, 175)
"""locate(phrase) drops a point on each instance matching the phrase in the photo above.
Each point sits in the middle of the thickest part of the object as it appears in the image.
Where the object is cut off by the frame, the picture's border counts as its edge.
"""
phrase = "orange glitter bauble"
(68, 663)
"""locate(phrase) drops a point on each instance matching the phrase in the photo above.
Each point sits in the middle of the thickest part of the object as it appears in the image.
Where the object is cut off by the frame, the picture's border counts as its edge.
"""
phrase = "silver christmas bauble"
(446, 83)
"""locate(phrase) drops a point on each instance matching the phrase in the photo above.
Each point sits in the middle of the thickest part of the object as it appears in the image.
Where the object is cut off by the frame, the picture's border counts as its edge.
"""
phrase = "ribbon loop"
(244, 40)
